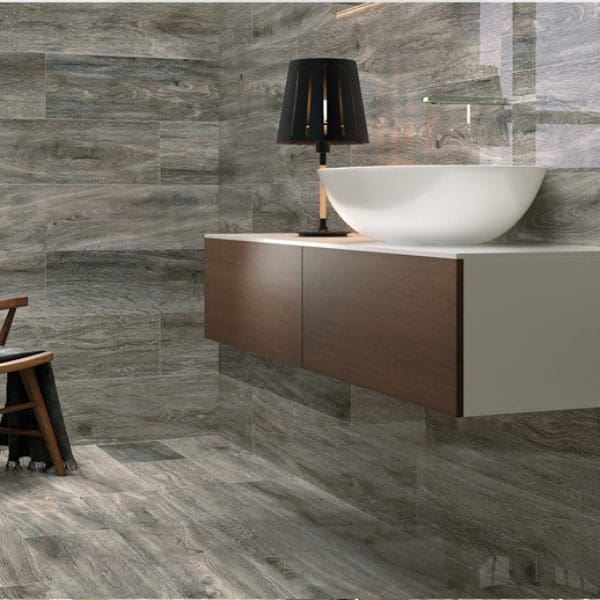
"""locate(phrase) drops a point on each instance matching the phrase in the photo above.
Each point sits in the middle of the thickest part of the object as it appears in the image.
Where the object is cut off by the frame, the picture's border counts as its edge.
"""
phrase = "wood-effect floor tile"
(72, 561)
(50, 516)
(192, 533)
(133, 452)
(16, 568)
(98, 474)
(505, 520)
(35, 590)
(215, 459)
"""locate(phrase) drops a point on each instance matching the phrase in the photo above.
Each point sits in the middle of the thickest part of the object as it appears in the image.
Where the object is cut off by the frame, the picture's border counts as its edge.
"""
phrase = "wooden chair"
(24, 366)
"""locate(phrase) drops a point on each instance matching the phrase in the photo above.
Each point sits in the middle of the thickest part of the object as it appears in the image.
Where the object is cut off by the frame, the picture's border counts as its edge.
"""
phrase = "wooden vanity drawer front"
(387, 322)
(253, 297)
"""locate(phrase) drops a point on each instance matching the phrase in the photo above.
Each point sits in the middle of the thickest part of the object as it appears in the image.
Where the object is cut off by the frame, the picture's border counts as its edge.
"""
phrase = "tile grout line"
(160, 316)
(45, 87)
(47, 302)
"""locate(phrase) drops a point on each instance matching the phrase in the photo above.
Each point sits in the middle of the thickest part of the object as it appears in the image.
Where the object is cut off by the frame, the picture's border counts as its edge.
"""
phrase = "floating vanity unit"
(468, 331)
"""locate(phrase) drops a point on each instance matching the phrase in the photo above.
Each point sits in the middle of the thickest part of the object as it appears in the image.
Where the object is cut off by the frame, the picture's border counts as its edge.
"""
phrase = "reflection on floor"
(194, 517)
(200, 517)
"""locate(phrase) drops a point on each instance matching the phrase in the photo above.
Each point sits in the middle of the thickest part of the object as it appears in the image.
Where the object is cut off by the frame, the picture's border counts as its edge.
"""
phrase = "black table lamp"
(322, 105)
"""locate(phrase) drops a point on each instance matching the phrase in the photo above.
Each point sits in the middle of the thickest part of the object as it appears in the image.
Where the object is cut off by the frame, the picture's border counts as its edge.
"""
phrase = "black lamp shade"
(322, 103)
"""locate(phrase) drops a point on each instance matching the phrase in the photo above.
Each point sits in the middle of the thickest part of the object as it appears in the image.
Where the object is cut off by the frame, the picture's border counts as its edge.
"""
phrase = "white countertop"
(363, 244)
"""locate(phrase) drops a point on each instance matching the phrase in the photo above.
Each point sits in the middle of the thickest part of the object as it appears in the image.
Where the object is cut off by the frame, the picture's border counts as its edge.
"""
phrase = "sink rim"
(447, 166)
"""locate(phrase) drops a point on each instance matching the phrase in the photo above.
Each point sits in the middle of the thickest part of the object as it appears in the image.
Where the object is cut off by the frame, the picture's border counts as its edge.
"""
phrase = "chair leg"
(41, 414)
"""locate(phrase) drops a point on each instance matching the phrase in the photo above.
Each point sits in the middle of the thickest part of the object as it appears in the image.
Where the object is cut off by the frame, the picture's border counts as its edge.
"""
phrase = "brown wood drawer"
(394, 322)
(253, 297)
(387, 322)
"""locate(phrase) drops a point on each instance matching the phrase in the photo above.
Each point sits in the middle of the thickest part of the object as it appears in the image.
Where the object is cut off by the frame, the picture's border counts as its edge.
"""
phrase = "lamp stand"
(323, 231)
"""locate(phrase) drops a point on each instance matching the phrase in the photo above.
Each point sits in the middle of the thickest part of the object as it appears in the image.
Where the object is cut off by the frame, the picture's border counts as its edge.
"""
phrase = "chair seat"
(7, 354)
(23, 394)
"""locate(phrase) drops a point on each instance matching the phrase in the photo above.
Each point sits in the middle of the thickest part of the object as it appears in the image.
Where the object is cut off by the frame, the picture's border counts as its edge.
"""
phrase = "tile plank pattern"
(176, 30)
(48, 217)
(481, 507)
(203, 517)
(66, 151)
(108, 181)
(190, 517)
(486, 507)
(100, 87)
(314, 488)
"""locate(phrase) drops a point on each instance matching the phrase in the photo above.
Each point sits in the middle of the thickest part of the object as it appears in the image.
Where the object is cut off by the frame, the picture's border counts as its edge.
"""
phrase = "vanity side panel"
(253, 297)
(386, 322)
(531, 333)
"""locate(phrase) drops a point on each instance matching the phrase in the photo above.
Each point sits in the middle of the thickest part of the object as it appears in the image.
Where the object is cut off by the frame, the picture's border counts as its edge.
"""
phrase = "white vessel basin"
(432, 205)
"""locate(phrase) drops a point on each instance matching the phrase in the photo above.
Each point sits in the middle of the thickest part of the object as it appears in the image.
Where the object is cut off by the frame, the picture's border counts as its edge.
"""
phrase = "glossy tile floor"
(201, 517)
(194, 517)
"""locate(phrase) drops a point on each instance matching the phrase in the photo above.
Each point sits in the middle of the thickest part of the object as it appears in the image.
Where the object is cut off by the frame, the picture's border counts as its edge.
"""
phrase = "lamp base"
(322, 233)
(323, 230)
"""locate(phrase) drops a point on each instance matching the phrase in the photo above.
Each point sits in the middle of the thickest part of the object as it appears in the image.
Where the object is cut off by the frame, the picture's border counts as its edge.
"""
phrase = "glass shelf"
(466, 100)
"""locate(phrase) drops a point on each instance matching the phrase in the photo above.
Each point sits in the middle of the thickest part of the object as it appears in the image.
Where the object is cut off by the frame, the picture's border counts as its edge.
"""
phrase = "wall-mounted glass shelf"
(475, 100)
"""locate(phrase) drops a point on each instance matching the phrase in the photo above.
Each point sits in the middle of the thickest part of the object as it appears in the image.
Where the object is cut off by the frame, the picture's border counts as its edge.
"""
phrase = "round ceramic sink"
(432, 205)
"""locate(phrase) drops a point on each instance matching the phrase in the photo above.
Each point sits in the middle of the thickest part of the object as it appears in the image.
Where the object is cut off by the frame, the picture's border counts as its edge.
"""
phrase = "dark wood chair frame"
(24, 366)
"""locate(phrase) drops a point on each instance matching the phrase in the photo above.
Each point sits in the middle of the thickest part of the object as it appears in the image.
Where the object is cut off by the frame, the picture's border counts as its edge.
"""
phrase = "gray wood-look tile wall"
(108, 181)
(405, 51)
(128, 131)
(490, 507)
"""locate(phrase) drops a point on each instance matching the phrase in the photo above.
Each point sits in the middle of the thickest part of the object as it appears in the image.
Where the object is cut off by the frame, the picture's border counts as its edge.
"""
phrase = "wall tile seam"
(117, 56)
(115, 184)
(54, 52)
(45, 87)
(127, 120)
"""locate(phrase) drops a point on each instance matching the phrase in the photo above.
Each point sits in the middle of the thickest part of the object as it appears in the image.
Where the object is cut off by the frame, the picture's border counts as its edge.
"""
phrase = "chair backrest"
(11, 304)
